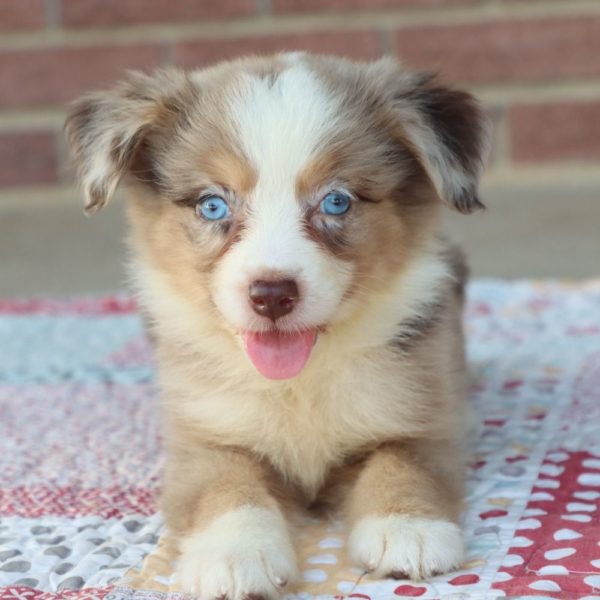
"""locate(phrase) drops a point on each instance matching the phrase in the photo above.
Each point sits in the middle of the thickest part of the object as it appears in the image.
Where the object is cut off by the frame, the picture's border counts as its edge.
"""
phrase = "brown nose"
(273, 299)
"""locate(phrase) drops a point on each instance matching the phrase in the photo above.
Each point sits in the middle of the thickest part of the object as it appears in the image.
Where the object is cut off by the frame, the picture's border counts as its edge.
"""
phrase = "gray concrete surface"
(541, 231)
(55, 249)
(47, 246)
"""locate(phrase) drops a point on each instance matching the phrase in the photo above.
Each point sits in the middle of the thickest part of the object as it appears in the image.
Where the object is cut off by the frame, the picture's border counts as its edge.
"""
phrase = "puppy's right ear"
(106, 130)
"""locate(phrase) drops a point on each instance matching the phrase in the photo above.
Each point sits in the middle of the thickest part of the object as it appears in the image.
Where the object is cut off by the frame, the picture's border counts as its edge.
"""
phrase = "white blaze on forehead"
(280, 122)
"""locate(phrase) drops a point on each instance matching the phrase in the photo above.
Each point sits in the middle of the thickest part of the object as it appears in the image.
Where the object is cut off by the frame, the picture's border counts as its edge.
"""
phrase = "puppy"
(285, 229)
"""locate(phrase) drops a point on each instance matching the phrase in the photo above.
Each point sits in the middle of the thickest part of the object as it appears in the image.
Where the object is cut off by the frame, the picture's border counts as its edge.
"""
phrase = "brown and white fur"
(373, 424)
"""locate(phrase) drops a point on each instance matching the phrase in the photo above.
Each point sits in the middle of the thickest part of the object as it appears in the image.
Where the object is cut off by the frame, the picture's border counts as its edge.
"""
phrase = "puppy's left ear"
(449, 133)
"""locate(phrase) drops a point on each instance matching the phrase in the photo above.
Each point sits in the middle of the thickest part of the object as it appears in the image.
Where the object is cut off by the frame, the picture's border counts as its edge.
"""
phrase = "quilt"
(80, 456)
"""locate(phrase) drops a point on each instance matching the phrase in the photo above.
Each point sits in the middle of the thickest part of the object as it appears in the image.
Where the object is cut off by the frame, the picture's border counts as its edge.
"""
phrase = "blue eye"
(213, 208)
(335, 203)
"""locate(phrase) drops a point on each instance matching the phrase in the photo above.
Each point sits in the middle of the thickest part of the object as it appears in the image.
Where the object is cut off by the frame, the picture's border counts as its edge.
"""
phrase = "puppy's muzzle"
(273, 299)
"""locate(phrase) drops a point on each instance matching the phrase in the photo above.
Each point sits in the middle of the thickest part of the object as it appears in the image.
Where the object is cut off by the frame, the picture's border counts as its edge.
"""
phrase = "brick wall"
(535, 63)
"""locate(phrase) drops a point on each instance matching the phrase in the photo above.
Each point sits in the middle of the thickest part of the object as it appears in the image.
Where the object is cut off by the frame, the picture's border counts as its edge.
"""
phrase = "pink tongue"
(278, 355)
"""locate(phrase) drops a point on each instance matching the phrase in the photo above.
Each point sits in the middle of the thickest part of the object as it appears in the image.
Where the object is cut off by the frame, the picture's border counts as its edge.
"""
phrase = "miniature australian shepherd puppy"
(306, 310)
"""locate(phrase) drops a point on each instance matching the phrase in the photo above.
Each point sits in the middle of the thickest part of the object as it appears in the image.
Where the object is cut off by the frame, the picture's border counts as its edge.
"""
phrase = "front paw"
(402, 546)
(245, 554)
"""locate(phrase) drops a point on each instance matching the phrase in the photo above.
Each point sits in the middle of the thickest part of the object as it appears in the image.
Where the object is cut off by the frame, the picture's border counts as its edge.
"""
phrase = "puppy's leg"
(404, 509)
(234, 538)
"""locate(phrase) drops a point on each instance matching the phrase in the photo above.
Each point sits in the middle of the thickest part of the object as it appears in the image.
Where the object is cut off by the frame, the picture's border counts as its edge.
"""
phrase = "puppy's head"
(275, 195)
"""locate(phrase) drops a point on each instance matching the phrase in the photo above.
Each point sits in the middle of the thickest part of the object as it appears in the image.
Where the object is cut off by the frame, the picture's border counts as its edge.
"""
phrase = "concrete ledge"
(534, 227)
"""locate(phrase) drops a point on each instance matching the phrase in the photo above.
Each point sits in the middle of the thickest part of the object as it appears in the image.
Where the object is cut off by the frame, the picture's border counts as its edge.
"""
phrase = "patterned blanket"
(80, 456)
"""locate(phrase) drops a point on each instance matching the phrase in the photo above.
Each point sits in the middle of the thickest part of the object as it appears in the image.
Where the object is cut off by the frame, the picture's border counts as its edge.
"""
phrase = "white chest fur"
(354, 391)
(333, 410)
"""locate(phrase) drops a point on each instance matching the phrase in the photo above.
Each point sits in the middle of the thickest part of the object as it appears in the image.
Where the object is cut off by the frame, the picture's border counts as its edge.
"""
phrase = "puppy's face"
(276, 195)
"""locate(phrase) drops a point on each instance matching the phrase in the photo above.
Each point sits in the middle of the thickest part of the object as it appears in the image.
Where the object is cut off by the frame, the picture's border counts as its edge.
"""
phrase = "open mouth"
(279, 354)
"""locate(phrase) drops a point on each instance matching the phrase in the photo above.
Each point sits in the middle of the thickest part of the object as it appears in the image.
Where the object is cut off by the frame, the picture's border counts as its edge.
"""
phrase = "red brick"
(344, 5)
(503, 51)
(57, 75)
(86, 13)
(21, 14)
(27, 158)
(357, 44)
(568, 131)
